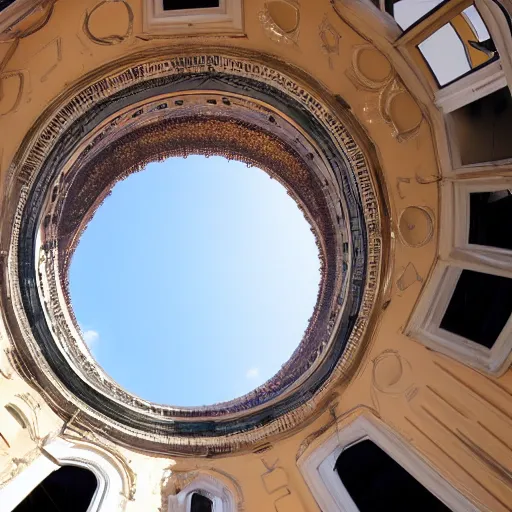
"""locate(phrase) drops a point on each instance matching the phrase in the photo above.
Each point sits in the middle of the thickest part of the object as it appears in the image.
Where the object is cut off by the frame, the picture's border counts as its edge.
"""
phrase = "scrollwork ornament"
(112, 39)
(273, 29)
(236, 69)
(13, 35)
(17, 465)
(388, 87)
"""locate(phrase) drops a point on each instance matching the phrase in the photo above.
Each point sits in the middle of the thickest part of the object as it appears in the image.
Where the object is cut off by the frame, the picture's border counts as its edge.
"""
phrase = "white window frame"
(318, 468)
(457, 254)
(481, 82)
(455, 207)
(207, 485)
(424, 325)
(489, 78)
(225, 19)
(472, 87)
(109, 492)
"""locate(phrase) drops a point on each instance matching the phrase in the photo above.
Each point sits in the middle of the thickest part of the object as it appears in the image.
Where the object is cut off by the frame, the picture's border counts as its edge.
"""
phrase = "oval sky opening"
(195, 280)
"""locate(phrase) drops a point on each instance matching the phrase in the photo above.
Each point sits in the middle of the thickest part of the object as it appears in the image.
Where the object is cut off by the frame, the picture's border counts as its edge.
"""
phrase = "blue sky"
(195, 280)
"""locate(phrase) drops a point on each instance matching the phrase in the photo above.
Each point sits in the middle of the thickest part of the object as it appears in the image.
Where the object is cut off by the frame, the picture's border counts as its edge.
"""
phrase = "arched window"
(363, 466)
(375, 481)
(68, 488)
(200, 503)
(205, 493)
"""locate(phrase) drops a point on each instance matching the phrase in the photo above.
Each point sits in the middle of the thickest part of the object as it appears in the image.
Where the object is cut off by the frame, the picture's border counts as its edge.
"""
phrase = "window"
(175, 5)
(200, 503)
(377, 482)
(204, 494)
(480, 307)
(68, 488)
(458, 47)
(489, 221)
(221, 17)
(408, 12)
(480, 131)
(467, 313)
(362, 466)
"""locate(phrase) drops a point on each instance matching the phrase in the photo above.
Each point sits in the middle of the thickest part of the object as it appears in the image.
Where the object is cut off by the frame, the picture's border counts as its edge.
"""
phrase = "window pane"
(175, 5)
(479, 308)
(490, 221)
(408, 12)
(445, 54)
(201, 503)
(376, 482)
(481, 129)
(70, 488)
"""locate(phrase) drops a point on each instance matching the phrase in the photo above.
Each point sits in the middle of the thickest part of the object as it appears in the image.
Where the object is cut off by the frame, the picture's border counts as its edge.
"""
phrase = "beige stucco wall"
(456, 419)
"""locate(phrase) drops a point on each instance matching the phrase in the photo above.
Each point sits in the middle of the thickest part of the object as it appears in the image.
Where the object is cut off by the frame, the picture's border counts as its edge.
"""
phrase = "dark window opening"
(480, 307)
(70, 488)
(5, 3)
(490, 219)
(376, 482)
(481, 130)
(177, 5)
(201, 503)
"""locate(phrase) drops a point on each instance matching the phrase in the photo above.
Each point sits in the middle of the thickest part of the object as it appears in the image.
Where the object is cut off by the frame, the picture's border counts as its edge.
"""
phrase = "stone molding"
(318, 465)
(330, 116)
(110, 493)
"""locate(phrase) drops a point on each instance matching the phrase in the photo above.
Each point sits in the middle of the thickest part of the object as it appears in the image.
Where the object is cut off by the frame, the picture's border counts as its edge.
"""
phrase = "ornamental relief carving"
(15, 81)
(178, 484)
(49, 254)
(29, 161)
(372, 72)
(125, 9)
(330, 38)
(280, 20)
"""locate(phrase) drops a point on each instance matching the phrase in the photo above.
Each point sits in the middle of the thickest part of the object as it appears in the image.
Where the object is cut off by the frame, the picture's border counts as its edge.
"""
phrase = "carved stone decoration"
(176, 481)
(408, 276)
(110, 451)
(392, 377)
(304, 109)
(372, 72)
(177, 488)
(234, 483)
(330, 39)
(281, 20)
(399, 182)
(16, 465)
(26, 411)
(25, 25)
(392, 373)
(112, 39)
(275, 483)
(416, 226)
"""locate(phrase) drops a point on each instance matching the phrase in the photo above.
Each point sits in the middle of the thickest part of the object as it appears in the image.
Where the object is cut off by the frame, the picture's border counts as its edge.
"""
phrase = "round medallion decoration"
(149, 107)
(416, 226)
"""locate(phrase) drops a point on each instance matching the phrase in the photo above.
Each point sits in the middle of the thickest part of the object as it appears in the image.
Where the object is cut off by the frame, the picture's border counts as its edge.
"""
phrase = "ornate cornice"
(344, 207)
